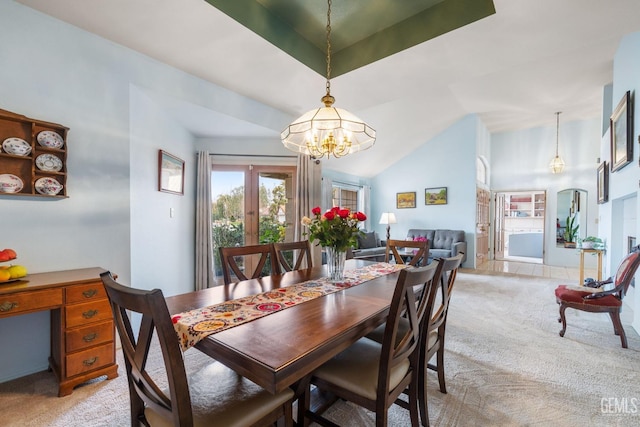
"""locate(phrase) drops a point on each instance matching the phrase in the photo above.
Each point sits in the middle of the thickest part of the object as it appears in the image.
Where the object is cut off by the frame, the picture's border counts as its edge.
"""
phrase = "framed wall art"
(435, 196)
(621, 131)
(406, 200)
(170, 173)
(603, 183)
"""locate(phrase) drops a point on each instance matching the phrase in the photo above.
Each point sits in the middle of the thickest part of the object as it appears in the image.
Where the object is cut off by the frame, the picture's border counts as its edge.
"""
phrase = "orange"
(4, 275)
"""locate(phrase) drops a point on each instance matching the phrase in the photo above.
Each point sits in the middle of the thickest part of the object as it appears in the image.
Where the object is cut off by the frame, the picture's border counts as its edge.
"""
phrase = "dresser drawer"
(90, 359)
(23, 302)
(81, 314)
(86, 336)
(84, 293)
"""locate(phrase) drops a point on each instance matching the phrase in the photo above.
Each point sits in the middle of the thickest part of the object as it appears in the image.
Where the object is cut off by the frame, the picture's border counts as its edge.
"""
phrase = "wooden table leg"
(581, 268)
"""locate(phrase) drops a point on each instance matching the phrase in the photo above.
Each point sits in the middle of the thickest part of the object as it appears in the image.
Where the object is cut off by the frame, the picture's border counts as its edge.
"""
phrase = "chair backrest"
(233, 261)
(626, 271)
(143, 390)
(419, 251)
(397, 349)
(448, 270)
(294, 255)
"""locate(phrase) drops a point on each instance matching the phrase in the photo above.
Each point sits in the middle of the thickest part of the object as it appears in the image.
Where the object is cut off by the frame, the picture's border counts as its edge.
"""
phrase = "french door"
(251, 204)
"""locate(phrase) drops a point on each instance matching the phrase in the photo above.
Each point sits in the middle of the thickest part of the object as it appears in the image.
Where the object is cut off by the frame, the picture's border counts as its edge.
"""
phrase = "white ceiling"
(514, 69)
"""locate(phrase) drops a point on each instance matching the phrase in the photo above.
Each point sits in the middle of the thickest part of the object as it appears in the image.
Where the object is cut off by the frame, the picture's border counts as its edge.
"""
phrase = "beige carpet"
(506, 366)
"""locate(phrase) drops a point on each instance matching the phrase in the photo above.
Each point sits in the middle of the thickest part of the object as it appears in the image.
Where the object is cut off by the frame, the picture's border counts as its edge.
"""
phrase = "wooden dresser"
(82, 329)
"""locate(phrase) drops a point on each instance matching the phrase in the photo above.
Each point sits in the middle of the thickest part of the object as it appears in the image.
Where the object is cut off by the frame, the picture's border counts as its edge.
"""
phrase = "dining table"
(279, 350)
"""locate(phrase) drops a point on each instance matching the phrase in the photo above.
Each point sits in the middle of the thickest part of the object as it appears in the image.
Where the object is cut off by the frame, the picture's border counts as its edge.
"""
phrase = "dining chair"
(293, 255)
(214, 395)
(605, 301)
(372, 374)
(419, 255)
(230, 256)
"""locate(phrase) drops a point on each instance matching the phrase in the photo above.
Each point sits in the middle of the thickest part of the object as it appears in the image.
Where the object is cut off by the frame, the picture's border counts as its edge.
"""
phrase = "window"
(345, 198)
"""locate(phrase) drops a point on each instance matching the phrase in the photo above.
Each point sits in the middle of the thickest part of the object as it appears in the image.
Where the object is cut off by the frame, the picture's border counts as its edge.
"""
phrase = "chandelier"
(557, 164)
(328, 131)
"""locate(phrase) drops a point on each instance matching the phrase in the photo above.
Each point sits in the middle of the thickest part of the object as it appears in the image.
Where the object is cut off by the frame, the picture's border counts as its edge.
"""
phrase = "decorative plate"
(51, 139)
(10, 183)
(48, 186)
(49, 162)
(16, 146)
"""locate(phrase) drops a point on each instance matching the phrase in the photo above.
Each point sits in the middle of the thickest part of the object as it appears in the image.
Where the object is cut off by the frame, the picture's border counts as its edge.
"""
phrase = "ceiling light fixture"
(557, 164)
(328, 131)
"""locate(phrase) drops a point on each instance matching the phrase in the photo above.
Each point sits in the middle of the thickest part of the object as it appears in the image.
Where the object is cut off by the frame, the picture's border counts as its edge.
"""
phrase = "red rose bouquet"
(336, 228)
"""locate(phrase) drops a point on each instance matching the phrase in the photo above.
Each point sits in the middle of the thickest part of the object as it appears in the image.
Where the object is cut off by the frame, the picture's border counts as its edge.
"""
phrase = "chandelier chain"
(557, 131)
(329, 49)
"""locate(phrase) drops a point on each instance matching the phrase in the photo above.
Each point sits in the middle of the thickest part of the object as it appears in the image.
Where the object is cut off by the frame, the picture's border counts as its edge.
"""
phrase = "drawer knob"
(8, 306)
(89, 362)
(89, 314)
(90, 337)
(89, 293)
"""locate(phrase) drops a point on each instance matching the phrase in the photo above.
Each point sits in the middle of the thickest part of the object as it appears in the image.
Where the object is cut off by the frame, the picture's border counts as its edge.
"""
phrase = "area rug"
(505, 364)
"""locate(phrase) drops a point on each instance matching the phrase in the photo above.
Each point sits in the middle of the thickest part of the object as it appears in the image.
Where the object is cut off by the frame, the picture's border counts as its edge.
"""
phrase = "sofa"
(370, 246)
(442, 243)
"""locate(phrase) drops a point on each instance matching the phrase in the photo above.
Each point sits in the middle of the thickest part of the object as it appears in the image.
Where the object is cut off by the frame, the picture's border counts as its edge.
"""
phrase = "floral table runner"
(195, 325)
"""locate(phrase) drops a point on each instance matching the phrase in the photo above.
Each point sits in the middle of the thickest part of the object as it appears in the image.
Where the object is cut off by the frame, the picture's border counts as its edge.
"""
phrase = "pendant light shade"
(557, 164)
(328, 131)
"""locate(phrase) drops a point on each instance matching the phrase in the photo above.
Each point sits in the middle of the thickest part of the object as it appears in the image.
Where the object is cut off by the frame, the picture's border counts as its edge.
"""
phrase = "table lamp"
(388, 218)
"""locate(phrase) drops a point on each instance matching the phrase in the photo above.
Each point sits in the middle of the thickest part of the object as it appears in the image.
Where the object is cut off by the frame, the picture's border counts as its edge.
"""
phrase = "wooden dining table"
(278, 350)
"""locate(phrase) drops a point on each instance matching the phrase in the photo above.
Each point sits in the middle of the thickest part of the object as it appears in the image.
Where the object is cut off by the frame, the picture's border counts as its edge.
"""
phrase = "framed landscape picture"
(406, 200)
(603, 183)
(170, 173)
(621, 131)
(435, 196)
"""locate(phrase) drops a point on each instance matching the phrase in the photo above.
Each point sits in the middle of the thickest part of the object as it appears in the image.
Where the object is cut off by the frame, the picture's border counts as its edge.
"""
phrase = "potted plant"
(571, 232)
(591, 242)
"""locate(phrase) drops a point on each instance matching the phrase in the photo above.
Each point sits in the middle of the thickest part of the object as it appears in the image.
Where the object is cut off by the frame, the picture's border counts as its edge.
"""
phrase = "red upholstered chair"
(609, 301)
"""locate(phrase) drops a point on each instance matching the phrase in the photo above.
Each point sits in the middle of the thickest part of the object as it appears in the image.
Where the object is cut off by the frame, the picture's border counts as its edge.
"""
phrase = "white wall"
(114, 217)
(448, 160)
(520, 161)
(623, 184)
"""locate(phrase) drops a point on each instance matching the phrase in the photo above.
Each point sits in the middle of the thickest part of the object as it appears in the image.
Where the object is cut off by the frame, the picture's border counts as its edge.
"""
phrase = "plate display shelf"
(14, 125)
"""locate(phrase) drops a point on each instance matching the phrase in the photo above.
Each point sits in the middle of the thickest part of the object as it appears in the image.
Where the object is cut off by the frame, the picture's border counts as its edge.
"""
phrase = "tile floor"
(534, 269)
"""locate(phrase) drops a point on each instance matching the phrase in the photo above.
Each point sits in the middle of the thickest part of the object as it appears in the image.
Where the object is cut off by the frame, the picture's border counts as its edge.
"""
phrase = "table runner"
(195, 325)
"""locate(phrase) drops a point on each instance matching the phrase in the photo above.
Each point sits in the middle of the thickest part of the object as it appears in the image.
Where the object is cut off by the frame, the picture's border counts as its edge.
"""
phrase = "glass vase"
(335, 263)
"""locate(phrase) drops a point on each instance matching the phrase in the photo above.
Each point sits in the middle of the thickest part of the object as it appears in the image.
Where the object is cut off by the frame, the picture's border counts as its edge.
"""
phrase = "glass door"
(251, 205)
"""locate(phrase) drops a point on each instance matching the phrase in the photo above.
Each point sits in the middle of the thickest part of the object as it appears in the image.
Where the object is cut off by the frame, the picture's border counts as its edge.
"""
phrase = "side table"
(598, 252)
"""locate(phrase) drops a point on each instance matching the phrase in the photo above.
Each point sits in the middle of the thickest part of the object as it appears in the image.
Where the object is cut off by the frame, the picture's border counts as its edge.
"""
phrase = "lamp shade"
(388, 218)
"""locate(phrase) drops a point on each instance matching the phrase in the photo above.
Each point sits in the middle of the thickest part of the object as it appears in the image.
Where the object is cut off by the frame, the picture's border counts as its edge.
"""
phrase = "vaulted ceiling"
(410, 68)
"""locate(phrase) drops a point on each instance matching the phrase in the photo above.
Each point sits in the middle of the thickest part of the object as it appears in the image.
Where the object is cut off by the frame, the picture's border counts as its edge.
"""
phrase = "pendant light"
(557, 164)
(328, 131)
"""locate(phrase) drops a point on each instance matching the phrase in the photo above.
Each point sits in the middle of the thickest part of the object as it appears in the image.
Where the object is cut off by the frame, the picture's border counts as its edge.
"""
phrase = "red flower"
(335, 209)
(330, 215)
(361, 216)
(316, 210)
(344, 213)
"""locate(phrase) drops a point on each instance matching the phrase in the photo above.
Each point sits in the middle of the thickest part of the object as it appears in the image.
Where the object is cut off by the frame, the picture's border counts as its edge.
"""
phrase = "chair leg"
(422, 392)
(617, 326)
(563, 319)
(443, 387)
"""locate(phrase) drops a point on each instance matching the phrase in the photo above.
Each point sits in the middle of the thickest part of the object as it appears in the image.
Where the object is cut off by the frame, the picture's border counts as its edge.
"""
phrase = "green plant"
(571, 229)
(592, 239)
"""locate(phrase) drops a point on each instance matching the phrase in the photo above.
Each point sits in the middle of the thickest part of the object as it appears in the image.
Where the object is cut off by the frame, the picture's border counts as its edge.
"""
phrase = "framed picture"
(603, 183)
(621, 130)
(170, 173)
(406, 200)
(435, 196)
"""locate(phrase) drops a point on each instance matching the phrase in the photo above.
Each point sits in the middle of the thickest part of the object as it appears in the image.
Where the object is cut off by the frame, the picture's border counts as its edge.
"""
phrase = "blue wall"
(448, 160)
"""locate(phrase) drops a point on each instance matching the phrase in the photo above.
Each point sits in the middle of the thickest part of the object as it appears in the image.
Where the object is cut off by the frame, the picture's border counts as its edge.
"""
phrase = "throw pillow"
(368, 240)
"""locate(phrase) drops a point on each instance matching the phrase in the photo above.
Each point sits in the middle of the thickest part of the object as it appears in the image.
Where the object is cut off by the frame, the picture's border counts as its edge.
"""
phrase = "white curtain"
(204, 242)
(327, 193)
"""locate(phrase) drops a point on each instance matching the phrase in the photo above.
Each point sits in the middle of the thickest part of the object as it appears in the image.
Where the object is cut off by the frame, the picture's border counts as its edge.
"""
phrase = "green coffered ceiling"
(363, 31)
